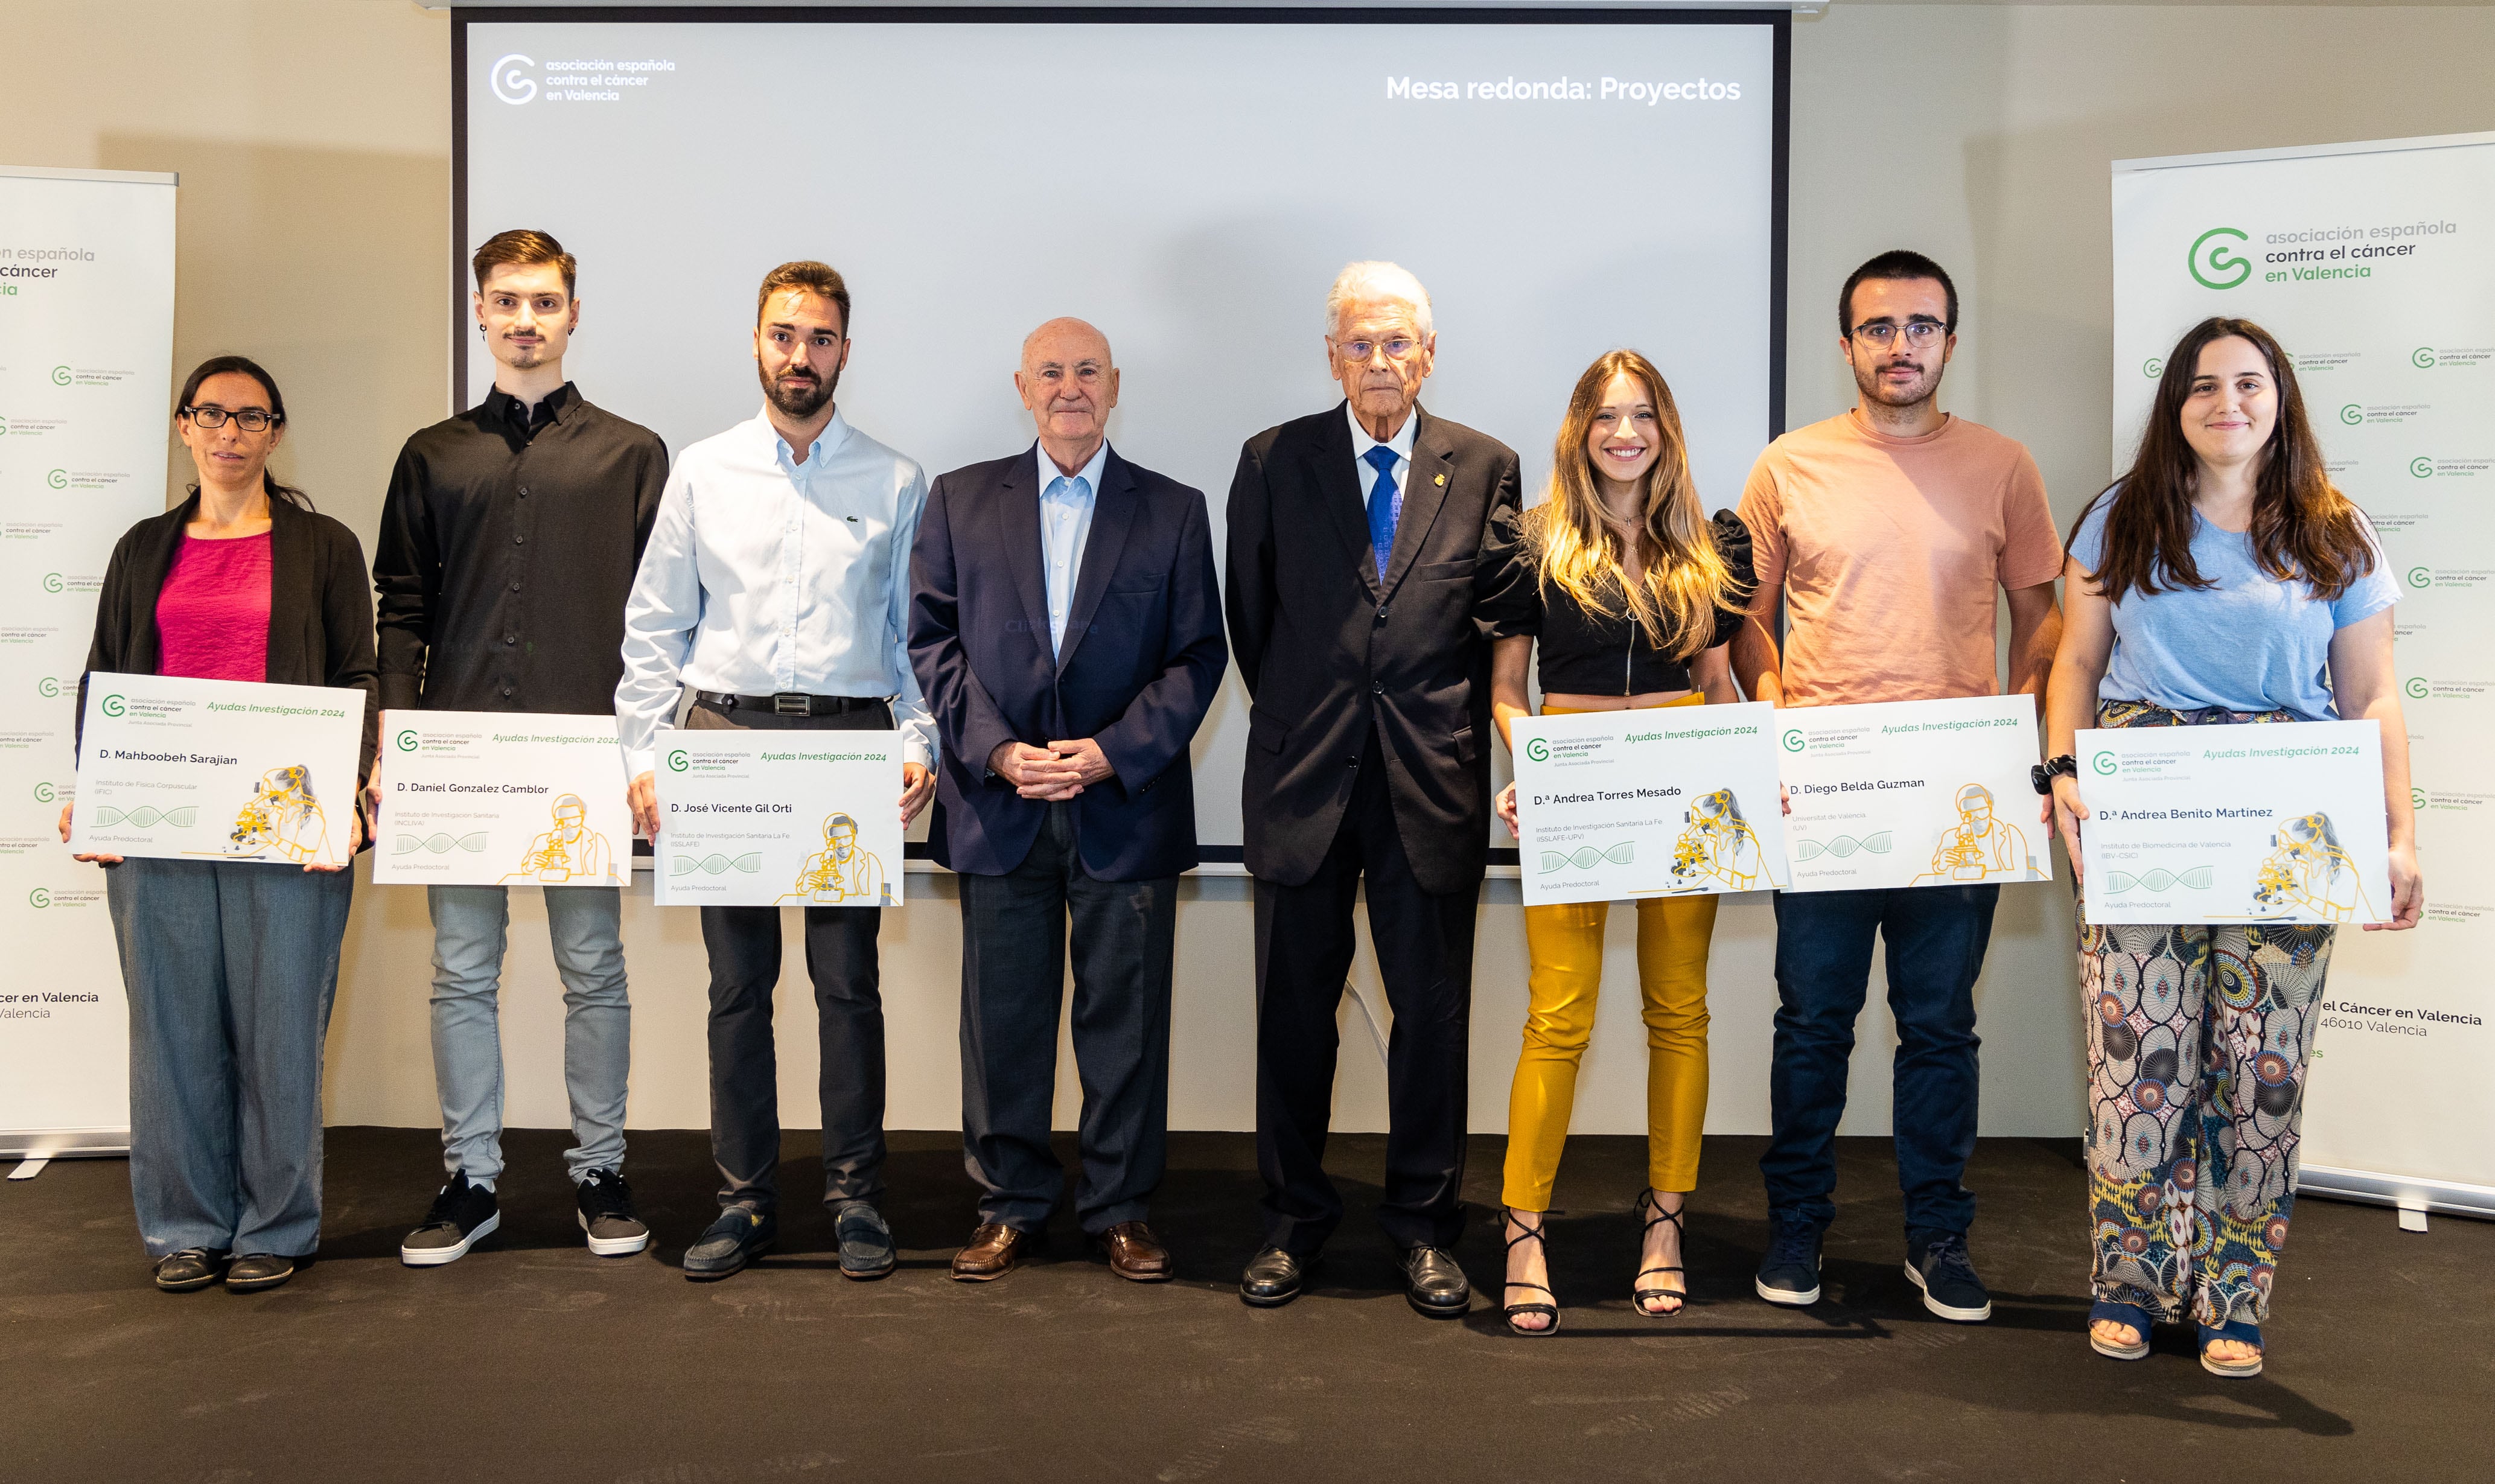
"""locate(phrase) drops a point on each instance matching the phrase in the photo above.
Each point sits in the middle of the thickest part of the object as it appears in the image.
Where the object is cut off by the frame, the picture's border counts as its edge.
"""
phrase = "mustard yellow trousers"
(1566, 948)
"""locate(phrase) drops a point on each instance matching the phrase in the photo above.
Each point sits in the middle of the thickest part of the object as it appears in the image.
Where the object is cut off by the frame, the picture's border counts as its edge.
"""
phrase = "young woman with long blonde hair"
(1635, 596)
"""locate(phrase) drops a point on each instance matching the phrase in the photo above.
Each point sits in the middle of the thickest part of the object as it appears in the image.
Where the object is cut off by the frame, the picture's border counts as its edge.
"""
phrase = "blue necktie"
(1385, 505)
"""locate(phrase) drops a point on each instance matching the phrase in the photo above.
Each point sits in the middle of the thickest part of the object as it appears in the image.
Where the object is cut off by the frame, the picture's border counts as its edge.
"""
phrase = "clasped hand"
(1050, 774)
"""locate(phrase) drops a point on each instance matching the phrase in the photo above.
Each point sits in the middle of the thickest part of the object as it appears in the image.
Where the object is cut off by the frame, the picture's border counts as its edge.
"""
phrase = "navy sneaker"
(725, 1246)
(1937, 1263)
(1789, 1274)
(866, 1242)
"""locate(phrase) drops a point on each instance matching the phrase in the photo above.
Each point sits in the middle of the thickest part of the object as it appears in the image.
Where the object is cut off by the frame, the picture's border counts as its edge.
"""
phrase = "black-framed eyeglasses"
(1919, 333)
(251, 419)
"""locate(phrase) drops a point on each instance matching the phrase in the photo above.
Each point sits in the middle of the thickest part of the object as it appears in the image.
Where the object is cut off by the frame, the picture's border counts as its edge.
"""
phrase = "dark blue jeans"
(1936, 938)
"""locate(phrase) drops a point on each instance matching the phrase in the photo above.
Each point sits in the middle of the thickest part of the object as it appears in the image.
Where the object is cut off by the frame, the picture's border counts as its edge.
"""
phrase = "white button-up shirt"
(1064, 526)
(1366, 473)
(764, 575)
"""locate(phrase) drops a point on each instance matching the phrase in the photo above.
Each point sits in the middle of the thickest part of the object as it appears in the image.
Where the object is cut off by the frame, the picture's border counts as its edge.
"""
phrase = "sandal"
(1641, 1297)
(2232, 1370)
(1515, 1312)
(2120, 1313)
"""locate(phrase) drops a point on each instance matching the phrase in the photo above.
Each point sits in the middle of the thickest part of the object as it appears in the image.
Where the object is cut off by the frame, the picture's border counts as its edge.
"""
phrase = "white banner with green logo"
(86, 349)
(2370, 263)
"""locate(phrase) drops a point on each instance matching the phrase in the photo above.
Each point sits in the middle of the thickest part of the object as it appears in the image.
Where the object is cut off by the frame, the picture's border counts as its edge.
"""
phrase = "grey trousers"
(841, 959)
(1013, 982)
(230, 969)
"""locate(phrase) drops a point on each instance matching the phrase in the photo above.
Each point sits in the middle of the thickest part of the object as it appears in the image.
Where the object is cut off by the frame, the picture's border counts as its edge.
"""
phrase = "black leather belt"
(790, 703)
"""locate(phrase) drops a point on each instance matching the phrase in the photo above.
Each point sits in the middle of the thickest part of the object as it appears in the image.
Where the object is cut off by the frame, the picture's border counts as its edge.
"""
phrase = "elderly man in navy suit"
(1066, 632)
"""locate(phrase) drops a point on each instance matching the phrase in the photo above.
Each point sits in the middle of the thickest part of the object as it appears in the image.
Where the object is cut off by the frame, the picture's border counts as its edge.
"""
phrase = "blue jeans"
(470, 924)
(1936, 938)
(230, 969)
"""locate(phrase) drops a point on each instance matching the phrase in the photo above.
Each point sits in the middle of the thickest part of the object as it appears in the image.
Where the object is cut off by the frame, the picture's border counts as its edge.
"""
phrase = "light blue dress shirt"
(764, 575)
(1065, 506)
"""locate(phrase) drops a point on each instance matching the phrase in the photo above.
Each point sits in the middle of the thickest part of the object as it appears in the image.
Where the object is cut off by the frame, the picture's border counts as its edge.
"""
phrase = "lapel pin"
(1442, 478)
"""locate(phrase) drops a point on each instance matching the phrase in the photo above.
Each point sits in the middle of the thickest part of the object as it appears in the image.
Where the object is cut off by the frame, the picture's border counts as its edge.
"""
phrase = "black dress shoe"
(1435, 1284)
(254, 1270)
(190, 1269)
(725, 1246)
(1273, 1279)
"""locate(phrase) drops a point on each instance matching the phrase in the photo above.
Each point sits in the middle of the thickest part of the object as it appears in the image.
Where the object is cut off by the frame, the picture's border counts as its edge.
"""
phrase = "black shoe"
(866, 1242)
(1434, 1283)
(463, 1215)
(191, 1269)
(606, 1215)
(1273, 1278)
(254, 1270)
(1936, 1262)
(725, 1246)
(1789, 1274)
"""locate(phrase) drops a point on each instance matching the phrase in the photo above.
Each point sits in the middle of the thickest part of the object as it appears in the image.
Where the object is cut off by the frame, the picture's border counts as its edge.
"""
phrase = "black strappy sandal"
(1515, 1312)
(1679, 1297)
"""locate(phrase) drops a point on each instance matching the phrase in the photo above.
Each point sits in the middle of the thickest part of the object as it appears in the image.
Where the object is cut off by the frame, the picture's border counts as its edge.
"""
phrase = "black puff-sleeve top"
(1587, 654)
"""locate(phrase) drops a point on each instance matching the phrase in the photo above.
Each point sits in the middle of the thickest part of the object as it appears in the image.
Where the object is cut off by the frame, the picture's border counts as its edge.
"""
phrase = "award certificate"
(2262, 824)
(179, 770)
(764, 819)
(1665, 801)
(501, 799)
(1913, 793)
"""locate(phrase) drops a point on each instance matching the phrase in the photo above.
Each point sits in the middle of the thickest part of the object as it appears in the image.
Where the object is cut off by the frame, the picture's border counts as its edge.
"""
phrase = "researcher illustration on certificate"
(569, 853)
(1980, 846)
(840, 874)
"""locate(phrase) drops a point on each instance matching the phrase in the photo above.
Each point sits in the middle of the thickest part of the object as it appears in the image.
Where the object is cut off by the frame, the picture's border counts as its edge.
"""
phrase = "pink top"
(212, 613)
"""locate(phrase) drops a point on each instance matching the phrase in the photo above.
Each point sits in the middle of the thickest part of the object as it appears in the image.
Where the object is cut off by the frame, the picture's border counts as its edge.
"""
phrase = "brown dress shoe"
(994, 1252)
(1135, 1254)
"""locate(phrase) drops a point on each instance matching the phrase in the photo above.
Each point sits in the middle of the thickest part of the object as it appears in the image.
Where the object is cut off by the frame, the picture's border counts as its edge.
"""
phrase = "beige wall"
(312, 137)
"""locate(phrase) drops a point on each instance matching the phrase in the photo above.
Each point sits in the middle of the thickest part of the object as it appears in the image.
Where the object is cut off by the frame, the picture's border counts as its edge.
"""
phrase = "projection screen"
(1563, 182)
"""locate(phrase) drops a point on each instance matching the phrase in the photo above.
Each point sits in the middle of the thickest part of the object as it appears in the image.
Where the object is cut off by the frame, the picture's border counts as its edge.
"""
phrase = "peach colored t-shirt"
(1890, 550)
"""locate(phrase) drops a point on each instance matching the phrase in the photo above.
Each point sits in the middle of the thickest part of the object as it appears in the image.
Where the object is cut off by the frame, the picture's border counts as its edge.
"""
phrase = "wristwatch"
(2043, 774)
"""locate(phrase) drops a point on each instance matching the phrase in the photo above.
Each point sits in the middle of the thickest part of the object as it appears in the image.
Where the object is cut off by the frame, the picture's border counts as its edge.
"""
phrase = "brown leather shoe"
(994, 1252)
(1135, 1254)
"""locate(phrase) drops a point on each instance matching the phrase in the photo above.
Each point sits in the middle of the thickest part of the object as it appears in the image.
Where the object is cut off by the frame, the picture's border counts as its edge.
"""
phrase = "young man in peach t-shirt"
(1885, 531)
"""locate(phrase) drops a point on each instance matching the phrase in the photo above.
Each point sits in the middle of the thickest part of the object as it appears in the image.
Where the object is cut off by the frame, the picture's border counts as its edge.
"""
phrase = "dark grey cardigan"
(320, 607)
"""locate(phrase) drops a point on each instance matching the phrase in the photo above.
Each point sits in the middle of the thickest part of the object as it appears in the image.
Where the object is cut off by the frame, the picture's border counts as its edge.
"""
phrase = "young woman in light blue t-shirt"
(2222, 579)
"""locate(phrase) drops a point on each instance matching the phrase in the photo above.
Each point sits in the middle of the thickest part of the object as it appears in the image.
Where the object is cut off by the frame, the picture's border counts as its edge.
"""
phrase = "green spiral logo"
(2351, 415)
(2106, 764)
(2422, 358)
(45, 793)
(2416, 798)
(1538, 750)
(60, 376)
(407, 740)
(58, 478)
(1793, 741)
(2417, 688)
(2422, 468)
(51, 582)
(112, 705)
(2421, 576)
(678, 760)
(48, 686)
(2217, 268)
(2153, 367)
(41, 896)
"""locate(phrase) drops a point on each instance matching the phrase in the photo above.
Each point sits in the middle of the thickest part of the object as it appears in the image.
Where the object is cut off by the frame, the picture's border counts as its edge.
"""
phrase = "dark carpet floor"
(533, 1360)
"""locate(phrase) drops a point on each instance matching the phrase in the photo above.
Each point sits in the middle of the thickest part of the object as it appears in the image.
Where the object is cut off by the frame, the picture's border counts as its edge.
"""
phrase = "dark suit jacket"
(1328, 650)
(1142, 659)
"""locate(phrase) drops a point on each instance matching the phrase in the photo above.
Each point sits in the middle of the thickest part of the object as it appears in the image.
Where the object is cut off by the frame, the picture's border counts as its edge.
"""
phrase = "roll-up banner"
(86, 349)
(2369, 262)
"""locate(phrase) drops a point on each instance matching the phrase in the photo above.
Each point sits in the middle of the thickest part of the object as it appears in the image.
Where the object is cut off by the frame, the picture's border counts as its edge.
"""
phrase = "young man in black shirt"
(508, 546)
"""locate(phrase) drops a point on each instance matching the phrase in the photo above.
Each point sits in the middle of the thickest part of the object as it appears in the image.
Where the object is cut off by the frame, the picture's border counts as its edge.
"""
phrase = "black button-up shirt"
(508, 546)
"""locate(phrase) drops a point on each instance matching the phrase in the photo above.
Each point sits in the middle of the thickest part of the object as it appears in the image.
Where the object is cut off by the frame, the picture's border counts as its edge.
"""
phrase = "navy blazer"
(1142, 659)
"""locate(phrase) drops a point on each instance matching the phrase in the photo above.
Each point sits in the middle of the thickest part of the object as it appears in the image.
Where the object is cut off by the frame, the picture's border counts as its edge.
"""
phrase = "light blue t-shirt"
(2250, 643)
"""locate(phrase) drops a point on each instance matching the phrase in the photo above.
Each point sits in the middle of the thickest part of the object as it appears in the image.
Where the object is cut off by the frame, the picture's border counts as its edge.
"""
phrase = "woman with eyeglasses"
(231, 966)
(1634, 597)
(2222, 580)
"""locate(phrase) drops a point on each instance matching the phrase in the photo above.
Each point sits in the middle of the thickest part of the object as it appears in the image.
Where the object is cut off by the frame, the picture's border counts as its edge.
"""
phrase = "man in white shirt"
(776, 587)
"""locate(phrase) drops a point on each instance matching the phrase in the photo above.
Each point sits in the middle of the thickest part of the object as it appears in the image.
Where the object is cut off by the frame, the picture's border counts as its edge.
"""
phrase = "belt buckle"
(791, 703)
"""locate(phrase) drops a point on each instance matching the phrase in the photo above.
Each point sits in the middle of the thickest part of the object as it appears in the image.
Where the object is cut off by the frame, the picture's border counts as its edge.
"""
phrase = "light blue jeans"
(470, 928)
(230, 969)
